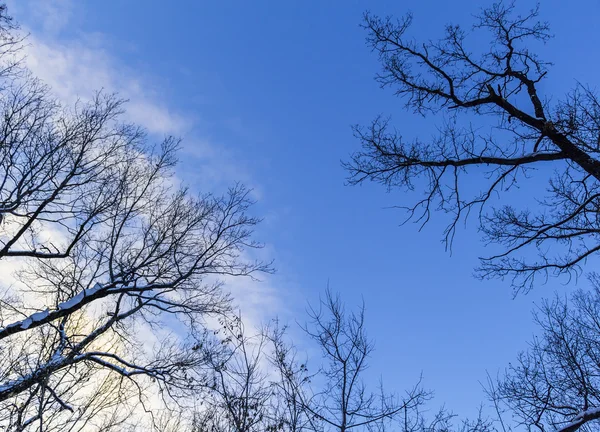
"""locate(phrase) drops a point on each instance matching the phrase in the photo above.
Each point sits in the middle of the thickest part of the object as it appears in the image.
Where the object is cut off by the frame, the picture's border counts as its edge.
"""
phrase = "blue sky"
(265, 92)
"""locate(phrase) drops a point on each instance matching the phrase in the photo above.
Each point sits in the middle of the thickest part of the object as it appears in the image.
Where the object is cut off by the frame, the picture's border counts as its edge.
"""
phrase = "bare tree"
(291, 383)
(102, 399)
(262, 383)
(498, 125)
(240, 394)
(259, 382)
(342, 401)
(107, 251)
(555, 384)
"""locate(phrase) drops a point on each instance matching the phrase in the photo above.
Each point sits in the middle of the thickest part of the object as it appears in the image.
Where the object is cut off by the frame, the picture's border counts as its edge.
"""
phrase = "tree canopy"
(520, 128)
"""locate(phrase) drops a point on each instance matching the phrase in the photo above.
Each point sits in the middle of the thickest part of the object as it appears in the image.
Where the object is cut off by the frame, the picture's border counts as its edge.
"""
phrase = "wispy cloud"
(76, 69)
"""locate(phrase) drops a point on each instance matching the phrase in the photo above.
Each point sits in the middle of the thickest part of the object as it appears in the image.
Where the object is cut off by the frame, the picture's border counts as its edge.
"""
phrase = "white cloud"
(54, 15)
(50, 15)
(75, 69)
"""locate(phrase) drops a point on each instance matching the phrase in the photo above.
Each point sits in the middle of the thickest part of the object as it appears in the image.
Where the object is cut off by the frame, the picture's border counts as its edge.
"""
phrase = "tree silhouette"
(498, 126)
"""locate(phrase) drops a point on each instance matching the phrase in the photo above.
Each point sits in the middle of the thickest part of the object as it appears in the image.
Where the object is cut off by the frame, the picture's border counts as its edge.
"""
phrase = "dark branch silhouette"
(497, 126)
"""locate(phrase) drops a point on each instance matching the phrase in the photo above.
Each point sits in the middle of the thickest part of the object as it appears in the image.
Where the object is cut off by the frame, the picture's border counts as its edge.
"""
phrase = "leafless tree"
(498, 125)
(240, 393)
(342, 402)
(555, 384)
(108, 253)
(246, 390)
(261, 382)
(103, 400)
(291, 382)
